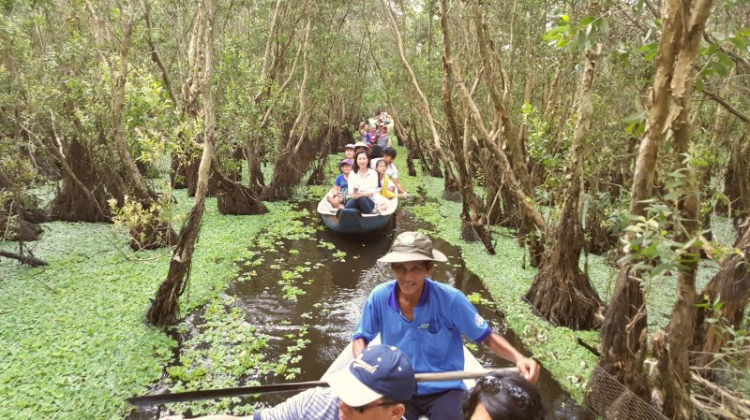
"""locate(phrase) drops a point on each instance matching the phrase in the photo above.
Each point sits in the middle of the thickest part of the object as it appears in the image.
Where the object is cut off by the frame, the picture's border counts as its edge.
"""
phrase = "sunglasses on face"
(492, 385)
(364, 408)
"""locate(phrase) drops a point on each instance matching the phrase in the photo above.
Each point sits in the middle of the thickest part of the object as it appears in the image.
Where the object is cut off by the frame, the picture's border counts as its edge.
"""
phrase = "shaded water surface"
(335, 293)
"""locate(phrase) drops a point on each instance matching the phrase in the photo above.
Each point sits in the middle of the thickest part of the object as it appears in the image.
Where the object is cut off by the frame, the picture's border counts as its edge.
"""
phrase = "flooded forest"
(583, 164)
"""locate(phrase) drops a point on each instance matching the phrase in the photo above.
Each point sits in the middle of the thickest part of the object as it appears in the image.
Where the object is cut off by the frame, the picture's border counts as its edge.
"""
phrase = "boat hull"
(352, 221)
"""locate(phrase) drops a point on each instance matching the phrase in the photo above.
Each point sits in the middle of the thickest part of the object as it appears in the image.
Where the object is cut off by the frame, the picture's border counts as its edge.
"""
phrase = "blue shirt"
(433, 339)
(342, 183)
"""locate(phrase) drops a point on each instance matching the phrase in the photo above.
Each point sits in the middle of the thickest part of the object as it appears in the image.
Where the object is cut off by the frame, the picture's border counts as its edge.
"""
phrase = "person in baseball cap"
(426, 320)
(380, 376)
(349, 151)
(373, 386)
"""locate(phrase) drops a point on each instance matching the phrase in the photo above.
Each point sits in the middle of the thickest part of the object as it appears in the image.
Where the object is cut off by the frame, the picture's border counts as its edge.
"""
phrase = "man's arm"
(368, 326)
(357, 346)
(528, 368)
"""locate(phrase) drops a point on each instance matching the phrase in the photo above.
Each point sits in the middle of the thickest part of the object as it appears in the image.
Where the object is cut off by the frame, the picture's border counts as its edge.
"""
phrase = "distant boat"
(352, 220)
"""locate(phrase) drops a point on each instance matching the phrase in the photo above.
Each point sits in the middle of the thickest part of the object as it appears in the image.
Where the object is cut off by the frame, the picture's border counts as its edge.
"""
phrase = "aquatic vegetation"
(226, 351)
(73, 343)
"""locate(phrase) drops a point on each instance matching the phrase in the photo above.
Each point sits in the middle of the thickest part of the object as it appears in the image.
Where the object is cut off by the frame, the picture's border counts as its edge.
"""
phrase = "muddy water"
(333, 301)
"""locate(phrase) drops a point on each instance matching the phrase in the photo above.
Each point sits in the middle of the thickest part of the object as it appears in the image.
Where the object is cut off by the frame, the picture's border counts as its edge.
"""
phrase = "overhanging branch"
(726, 105)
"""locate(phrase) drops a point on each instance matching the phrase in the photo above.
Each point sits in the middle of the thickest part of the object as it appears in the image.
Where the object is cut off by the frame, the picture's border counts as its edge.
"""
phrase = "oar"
(296, 386)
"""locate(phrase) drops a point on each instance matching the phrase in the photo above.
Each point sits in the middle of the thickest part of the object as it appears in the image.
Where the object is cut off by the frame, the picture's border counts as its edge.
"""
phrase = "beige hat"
(412, 246)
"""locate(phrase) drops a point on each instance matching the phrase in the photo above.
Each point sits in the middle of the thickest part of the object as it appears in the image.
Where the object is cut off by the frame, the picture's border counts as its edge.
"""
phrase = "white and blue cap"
(378, 371)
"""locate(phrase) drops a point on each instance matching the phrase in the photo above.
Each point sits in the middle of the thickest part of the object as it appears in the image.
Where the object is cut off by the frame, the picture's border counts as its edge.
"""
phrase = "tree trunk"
(83, 196)
(561, 292)
(15, 228)
(165, 308)
(233, 197)
(439, 153)
(624, 327)
(600, 241)
(737, 181)
(158, 232)
(298, 153)
(671, 348)
(288, 172)
(731, 286)
(24, 259)
(473, 219)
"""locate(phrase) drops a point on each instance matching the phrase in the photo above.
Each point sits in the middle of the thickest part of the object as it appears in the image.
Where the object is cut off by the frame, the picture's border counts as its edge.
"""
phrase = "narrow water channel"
(334, 297)
(332, 304)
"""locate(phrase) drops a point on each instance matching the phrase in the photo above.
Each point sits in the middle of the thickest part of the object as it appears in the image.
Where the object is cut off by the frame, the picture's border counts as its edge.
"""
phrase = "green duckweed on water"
(73, 342)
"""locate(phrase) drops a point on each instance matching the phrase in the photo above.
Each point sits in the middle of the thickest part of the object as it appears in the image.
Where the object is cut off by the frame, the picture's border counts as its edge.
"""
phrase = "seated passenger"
(386, 191)
(372, 136)
(363, 185)
(389, 155)
(364, 128)
(384, 139)
(367, 135)
(349, 152)
(503, 398)
(341, 185)
(374, 386)
(361, 147)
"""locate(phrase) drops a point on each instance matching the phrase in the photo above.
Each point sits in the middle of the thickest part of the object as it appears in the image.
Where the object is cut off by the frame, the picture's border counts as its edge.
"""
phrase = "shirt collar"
(423, 300)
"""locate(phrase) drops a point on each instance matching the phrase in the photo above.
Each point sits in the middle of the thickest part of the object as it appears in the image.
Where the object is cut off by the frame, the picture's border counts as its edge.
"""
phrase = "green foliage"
(132, 216)
(580, 36)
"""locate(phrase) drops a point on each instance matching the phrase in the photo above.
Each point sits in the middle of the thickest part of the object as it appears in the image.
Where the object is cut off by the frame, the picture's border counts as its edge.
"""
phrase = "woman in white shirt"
(363, 185)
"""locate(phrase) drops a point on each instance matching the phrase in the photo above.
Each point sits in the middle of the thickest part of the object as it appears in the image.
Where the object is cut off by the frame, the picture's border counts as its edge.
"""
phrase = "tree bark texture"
(624, 326)
(731, 286)
(165, 307)
(671, 349)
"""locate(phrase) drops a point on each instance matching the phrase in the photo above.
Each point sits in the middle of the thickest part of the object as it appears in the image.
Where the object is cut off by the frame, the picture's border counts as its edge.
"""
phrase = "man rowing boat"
(425, 319)
(374, 386)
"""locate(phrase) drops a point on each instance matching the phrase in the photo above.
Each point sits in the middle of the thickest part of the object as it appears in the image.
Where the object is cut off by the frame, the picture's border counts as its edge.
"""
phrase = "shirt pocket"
(435, 342)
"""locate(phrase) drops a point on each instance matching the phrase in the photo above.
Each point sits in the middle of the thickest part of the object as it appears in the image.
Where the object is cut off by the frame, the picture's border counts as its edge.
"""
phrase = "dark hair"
(356, 157)
(380, 176)
(505, 398)
(390, 151)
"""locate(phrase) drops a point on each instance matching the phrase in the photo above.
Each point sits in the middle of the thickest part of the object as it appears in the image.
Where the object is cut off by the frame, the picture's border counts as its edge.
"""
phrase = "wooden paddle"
(296, 386)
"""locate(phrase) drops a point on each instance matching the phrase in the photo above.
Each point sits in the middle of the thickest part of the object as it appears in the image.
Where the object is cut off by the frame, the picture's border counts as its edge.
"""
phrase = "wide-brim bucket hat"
(412, 246)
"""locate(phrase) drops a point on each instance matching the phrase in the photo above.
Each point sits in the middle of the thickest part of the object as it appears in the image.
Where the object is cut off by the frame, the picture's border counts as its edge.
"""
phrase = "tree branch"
(726, 105)
(34, 262)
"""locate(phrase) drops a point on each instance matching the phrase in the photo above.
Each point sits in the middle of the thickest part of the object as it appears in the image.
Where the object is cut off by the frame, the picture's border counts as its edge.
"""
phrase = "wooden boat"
(352, 220)
(470, 363)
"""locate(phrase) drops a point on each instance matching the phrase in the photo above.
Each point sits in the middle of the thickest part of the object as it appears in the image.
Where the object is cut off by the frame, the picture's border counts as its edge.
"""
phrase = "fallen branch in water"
(24, 259)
